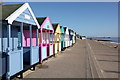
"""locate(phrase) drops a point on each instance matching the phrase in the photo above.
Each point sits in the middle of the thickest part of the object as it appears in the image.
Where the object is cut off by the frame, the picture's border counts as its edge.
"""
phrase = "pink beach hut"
(45, 38)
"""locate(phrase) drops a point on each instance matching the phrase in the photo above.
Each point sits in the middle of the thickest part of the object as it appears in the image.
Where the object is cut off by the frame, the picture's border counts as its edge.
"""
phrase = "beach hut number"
(27, 16)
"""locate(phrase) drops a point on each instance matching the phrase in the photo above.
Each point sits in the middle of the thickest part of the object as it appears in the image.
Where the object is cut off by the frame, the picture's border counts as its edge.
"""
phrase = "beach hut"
(62, 38)
(2, 55)
(73, 38)
(45, 38)
(70, 36)
(19, 46)
(66, 39)
(57, 38)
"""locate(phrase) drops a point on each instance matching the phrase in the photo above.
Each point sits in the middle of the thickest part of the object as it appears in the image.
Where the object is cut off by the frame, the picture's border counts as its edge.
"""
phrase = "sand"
(109, 44)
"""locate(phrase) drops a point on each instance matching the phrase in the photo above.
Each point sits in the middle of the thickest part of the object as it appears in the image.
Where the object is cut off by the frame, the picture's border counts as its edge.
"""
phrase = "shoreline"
(109, 44)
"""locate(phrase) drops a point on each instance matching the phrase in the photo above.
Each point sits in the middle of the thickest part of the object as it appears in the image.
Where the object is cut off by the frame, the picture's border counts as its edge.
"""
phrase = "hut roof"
(62, 29)
(65, 28)
(55, 26)
(41, 20)
(7, 10)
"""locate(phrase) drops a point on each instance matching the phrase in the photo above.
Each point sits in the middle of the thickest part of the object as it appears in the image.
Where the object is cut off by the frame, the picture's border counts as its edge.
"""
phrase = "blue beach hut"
(18, 57)
(71, 37)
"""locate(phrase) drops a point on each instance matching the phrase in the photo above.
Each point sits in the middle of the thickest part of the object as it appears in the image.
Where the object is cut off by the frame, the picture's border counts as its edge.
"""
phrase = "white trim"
(33, 15)
(15, 14)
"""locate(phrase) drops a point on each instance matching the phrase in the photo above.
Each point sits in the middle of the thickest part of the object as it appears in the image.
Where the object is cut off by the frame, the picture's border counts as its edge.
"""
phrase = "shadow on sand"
(118, 72)
(109, 60)
(108, 55)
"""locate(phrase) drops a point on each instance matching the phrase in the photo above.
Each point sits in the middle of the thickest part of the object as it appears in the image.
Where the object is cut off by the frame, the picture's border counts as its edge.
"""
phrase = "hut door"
(58, 42)
(15, 57)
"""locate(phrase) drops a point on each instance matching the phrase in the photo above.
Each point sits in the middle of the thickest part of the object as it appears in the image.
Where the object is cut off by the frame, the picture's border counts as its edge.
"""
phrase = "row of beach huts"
(26, 41)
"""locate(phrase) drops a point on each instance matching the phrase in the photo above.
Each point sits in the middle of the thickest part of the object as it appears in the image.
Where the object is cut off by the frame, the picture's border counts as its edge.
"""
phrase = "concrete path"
(106, 59)
(86, 59)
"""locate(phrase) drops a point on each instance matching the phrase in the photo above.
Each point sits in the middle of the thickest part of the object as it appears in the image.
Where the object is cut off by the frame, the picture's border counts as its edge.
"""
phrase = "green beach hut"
(62, 38)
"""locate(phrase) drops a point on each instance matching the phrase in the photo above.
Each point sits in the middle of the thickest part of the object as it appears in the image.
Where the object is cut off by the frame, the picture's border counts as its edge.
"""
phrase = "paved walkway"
(86, 59)
(106, 59)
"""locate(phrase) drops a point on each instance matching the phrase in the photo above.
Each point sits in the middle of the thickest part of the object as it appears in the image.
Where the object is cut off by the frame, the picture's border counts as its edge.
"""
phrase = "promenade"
(86, 59)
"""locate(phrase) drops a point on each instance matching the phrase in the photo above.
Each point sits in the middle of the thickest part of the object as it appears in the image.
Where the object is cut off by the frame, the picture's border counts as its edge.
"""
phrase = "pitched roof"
(55, 26)
(41, 20)
(60, 26)
(69, 29)
(62, 29)
(7, 10)
(72, 31)
(65, 28)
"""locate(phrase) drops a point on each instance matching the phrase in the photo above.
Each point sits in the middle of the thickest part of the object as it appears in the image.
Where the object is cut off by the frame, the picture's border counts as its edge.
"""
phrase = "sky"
(86, 18)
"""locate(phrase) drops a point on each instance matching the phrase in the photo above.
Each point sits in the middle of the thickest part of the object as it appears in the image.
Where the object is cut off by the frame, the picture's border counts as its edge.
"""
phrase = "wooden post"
(49, 36)
(30, 42)
(30, 36)
(41, 37)
(48, 43)
(53, 43)
(8, 35)
(21, 29)
(41, 44)
(8, 48)
(52, 37)
(36, 37)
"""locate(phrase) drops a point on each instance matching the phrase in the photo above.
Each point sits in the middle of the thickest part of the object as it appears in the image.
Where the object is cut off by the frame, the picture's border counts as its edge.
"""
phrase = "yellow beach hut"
(57, 38)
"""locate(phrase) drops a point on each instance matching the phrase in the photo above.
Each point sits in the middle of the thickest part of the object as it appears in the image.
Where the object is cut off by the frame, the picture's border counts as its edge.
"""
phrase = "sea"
(108, 39)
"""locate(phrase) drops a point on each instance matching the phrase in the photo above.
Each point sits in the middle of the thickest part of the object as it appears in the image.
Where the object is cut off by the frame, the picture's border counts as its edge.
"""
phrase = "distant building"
(83, 37)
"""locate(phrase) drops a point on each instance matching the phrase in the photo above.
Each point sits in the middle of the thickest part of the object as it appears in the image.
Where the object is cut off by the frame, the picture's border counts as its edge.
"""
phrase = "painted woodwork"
(45, 38)
(62, 37)
(57, 38)
(66, 39)
(12, 39)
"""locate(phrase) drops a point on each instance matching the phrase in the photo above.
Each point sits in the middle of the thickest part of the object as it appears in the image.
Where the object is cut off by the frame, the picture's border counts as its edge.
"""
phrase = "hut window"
(15, 39)
(33, 38)
(47, 26)
(19, 39)
(62, 37)
(51, 37)
(4, 35)
(45, 37)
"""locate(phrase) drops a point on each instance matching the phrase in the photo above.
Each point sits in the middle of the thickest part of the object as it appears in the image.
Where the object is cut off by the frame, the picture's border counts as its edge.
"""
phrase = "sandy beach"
(109, 44)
